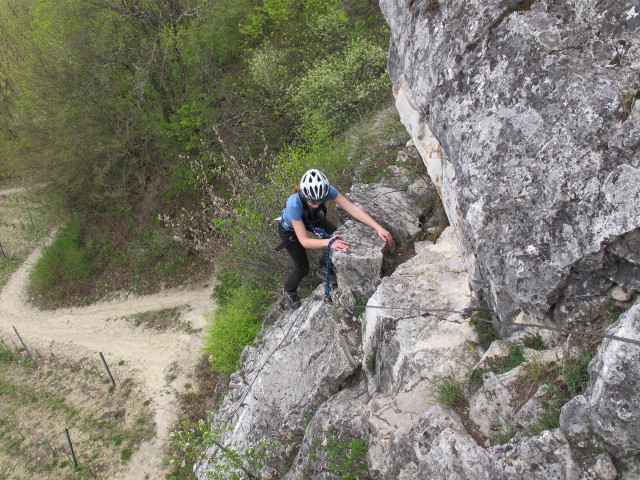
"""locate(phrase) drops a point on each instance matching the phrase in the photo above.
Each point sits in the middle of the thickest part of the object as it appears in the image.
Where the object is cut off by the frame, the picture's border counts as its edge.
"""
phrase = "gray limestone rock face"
(341, 418)
(395, 209)
(438, 447)
(359, 268)
(413, 334)
(610, 407)
(301, 363)
(527, 118)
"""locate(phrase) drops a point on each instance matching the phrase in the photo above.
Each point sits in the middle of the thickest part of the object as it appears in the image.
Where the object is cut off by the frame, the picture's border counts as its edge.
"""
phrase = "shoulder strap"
(307, 213)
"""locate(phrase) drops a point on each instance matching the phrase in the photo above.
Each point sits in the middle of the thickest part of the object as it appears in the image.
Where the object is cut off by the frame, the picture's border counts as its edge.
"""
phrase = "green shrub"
(228, 284)
(66, 260)
(234, 326)
(330, 94)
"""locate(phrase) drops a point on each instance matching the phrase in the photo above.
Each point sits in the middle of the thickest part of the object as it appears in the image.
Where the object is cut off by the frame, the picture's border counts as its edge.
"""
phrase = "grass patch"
(550, 418)
(161, 320)
(575, 373)
(449, 391)
(505, 433)
(39, 399)
(511, 361)
(63, 264)
(533, 342)
(612, 309)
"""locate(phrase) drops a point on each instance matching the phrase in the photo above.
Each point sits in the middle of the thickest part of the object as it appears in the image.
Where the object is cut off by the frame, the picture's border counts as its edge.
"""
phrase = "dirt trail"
(150, 355)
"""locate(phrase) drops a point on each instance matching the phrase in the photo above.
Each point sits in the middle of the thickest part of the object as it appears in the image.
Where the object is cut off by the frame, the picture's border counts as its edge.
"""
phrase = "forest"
(163, 136)
(150, 121)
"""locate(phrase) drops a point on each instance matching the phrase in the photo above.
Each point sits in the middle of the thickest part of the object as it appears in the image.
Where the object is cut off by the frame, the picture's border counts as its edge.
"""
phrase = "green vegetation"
(505, 433)
(511, 361)
(182, 119)
(41, 398)
(533, 342)
(474, 379)
(226, 463)
(612, 309)
(62, 263)
(487, 333)
(575, 373)
(345, 458)
(235, 324)
(370, 363)
(449, 391)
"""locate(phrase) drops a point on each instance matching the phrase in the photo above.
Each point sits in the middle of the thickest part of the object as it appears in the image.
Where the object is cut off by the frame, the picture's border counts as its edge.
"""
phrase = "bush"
(228, 284)
(67, 260)
(329, 95)
(234, 326)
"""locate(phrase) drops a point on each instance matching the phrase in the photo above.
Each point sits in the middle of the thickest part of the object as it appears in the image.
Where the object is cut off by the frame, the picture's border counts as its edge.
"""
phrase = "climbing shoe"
(322, 274)
(293, 300)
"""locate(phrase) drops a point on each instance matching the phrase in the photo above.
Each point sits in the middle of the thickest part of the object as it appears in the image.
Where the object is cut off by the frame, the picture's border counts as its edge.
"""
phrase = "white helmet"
(314, 186)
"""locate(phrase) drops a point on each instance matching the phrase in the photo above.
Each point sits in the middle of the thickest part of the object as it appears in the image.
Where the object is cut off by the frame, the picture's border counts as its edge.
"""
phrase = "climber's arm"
(362, 216)
(308, 242)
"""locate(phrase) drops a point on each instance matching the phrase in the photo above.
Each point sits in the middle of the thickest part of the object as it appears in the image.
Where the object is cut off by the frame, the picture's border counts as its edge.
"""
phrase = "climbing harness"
(308, 218)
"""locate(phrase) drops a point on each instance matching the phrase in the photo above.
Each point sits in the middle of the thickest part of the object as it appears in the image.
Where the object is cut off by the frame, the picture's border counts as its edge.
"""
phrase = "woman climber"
(304, 211)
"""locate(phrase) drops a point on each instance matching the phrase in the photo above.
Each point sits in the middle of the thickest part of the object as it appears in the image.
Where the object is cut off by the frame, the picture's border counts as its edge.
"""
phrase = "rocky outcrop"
(329, 387)
(526, 115)
(609, 411)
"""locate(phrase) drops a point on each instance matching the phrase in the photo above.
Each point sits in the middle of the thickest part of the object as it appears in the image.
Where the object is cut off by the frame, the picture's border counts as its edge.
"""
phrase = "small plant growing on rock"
(475, 379)
(533, 342)
(449, 391)
(505, 433)
(575, 373)
(487, 333)
(371, 364)
(346, 458)
(511, 361)
(613, 309)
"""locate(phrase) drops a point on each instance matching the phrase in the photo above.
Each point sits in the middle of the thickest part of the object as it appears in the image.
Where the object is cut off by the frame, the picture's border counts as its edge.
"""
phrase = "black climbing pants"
(299, 254)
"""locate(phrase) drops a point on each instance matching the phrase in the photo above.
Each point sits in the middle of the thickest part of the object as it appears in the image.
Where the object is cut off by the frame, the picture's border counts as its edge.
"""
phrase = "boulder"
(525, 114)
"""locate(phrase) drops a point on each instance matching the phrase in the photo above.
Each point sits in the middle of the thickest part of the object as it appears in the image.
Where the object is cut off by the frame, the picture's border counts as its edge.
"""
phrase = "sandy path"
(96, 328)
